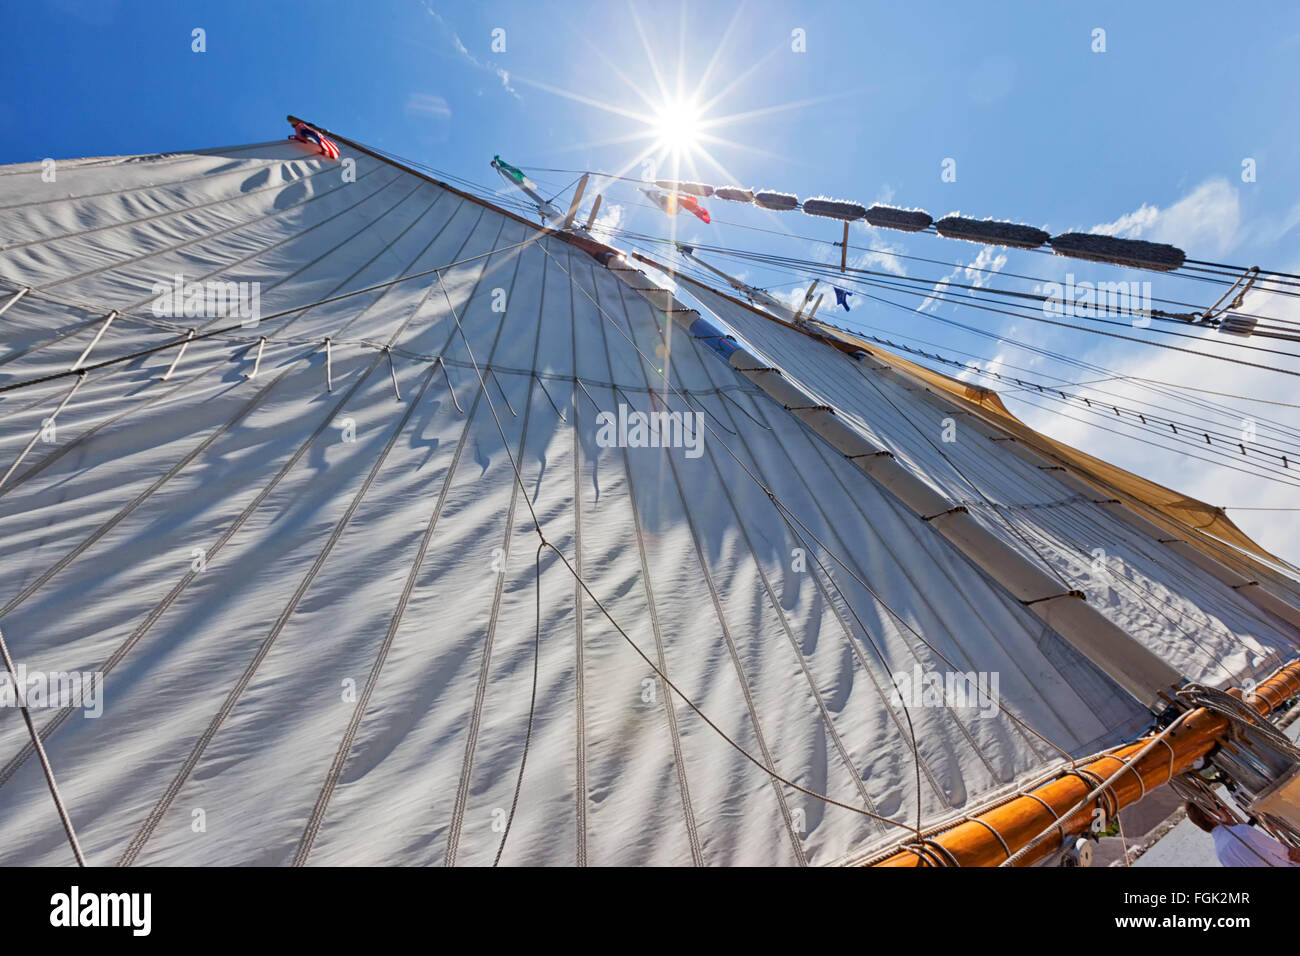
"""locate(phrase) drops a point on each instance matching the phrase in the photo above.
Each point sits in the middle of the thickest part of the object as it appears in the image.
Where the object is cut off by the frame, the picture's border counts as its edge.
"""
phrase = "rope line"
(41, 755)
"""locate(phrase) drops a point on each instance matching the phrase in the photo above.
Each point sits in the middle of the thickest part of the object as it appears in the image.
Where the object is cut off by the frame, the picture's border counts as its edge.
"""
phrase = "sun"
(677, 126)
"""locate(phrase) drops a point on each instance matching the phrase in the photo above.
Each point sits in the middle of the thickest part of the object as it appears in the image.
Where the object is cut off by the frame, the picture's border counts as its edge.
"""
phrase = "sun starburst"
(677, 125)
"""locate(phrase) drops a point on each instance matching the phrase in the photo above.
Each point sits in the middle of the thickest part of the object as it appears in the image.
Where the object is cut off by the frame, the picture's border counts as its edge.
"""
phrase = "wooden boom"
(979, 842)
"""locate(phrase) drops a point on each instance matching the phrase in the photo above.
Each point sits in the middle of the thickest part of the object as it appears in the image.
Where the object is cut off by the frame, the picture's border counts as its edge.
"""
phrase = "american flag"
(306, 134)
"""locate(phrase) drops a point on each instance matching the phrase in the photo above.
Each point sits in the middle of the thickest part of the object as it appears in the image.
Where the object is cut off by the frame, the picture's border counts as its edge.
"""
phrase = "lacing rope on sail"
(450, 389)
(501, 388)
(14, 298)
(992, 829)
(686, 395)
(40, 753)
(47, 423)
(1056, 816)
(542, 384)
(180, 353)
(392, 371)
(275, 315)
(257, 361)
(108, 320)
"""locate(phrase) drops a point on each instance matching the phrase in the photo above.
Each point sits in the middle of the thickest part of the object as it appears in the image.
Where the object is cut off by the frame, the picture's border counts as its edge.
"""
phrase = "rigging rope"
(21, 695)
(48, 423)
(532, 707)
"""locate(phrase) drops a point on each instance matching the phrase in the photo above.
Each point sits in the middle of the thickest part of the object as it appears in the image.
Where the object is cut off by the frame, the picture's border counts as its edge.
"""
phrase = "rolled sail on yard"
(782, 202)
(695, 189)
(1125, 252)
(733, 194)
(834, 209)
(991, 232)
(892, 217)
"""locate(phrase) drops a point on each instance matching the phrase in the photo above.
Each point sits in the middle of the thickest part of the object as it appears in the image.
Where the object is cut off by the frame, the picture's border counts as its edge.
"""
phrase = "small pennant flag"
(516, 175)
(842, 297)
(313, 137)
(692, 205)
(673, 203)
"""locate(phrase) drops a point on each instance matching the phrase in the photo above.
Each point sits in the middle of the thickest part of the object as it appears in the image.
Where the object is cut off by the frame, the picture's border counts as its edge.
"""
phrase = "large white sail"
(308, 572)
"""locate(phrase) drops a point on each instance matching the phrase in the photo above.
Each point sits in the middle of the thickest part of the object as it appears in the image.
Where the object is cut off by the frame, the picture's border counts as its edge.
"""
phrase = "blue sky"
(1148, 136)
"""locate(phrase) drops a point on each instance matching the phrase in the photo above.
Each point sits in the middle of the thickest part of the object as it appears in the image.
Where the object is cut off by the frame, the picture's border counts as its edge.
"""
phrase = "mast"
(754, 295)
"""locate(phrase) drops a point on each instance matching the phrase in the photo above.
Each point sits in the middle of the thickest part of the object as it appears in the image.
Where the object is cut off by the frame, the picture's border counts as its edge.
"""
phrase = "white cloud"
(1210, 481)
(1205, 221)
(881, 257)
(610, 219)
(1130, 225)
(989, 261)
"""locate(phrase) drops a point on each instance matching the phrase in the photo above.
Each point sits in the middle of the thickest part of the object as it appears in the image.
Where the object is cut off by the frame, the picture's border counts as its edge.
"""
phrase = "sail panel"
(318, 608)
(1176, 608)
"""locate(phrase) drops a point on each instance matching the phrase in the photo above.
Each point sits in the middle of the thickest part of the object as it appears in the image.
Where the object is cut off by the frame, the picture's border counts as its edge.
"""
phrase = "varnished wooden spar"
(1020, 820)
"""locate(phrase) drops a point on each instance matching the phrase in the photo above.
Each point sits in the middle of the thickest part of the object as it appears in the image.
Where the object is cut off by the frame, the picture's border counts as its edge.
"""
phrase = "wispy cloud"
(991, 260)
(428, 104)
(454, 39)
(1206, 220)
